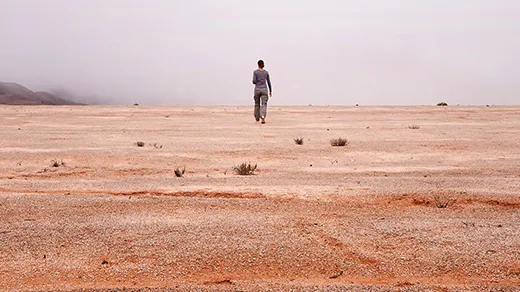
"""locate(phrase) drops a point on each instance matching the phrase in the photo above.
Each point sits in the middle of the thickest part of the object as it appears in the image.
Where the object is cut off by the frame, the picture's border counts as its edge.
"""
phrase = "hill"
(13, 93)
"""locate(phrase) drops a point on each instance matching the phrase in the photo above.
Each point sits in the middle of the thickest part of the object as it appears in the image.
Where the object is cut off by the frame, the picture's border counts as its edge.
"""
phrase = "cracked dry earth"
(364, 217)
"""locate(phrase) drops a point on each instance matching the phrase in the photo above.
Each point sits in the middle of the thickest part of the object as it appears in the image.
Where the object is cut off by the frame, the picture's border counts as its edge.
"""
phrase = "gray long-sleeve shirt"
(260, 78)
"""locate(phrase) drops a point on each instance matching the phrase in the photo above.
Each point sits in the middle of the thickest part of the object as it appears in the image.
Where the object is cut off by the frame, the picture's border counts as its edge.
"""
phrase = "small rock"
(336, 275)
(104, 262)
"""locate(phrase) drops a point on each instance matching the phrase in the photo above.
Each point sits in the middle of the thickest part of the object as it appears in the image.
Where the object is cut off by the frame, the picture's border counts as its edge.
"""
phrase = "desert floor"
(363, 217)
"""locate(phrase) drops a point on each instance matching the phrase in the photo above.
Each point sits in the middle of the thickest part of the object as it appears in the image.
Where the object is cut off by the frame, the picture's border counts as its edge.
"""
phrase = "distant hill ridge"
(16, 94)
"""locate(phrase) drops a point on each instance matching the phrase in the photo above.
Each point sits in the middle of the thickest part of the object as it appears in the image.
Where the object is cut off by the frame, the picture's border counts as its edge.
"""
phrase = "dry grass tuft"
(442, 201)
(339, 142)
(414, 127)
(298, 141)
(244, 169)
(179, 173)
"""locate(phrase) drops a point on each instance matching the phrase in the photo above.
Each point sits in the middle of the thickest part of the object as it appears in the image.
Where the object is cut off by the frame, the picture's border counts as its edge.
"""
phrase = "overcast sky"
(328, 52)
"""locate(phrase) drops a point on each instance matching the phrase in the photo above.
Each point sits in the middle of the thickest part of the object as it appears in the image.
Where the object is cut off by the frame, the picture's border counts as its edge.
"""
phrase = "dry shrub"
(442, 200)
(298, 141)
(244, 169)
(179, 172)
(339, 142)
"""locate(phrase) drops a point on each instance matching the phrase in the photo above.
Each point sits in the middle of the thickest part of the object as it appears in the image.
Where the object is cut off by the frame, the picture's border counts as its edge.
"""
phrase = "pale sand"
(313, 217)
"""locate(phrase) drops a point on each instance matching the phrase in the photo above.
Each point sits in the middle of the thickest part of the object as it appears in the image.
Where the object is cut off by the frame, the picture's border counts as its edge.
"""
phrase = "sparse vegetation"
(339, 142)
(180, 172)
(136, 104)
(442, 104)
(442, 201)
(414, 127)
(245, 169)
(154, 145)
(298, 141)
(57, 163)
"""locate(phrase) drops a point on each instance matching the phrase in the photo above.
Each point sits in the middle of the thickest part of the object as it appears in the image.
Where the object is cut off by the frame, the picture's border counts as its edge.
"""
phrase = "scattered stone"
(468, 224)
(336, 275)
(104, 262)
(57, 163)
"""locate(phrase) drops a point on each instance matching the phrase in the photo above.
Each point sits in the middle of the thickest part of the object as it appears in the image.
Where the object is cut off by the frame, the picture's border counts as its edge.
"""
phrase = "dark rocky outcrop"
(13, 93)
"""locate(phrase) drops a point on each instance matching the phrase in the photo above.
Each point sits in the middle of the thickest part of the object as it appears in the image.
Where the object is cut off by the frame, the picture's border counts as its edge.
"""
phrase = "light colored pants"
(261, 97)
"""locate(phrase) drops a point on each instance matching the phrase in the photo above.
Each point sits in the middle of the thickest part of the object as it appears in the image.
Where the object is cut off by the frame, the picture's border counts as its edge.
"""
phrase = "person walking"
(262, 83)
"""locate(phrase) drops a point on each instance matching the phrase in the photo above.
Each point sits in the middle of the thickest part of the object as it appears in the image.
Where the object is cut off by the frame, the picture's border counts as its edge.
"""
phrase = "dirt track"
(314, 217)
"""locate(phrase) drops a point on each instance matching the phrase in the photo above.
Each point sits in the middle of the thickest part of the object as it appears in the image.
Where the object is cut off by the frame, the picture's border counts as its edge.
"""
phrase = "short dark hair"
(261, 63)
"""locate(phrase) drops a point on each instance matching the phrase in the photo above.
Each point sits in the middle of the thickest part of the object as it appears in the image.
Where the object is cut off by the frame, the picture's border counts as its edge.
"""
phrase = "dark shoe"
(263, 120)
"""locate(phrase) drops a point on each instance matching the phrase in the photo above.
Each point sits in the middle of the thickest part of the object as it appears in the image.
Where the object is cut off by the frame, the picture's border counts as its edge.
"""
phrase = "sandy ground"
(313, 217)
